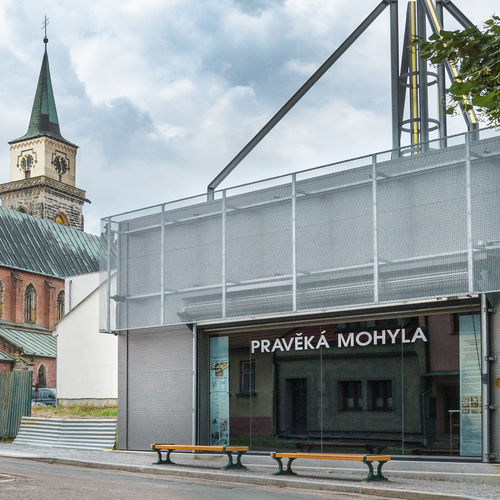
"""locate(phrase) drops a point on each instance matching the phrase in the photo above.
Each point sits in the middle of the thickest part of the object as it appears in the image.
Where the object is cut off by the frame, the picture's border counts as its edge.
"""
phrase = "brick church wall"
(14, 288)
(14, 284)
(50, 364)
(5, 366)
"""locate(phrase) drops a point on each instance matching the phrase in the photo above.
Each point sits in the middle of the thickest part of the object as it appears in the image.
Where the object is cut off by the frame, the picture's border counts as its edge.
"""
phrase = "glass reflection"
(389, 386)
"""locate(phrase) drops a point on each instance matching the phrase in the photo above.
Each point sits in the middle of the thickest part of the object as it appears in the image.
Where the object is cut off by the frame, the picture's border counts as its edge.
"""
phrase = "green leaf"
(484, 101)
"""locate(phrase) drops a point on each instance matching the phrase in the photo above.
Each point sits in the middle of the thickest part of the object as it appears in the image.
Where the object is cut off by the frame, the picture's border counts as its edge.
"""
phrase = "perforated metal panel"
(365, 231)
(155, 394)
(485, 201)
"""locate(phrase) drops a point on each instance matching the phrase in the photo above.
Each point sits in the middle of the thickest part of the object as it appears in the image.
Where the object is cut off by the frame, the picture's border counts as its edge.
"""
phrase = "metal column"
(194, 387)
(294, 241)
(375, 229)
(224, 285)
(470, 262)
(162, 266)
(485, 377)
(108, 265)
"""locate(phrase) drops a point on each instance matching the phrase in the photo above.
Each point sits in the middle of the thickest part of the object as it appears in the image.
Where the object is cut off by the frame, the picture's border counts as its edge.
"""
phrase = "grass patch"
(74, 411)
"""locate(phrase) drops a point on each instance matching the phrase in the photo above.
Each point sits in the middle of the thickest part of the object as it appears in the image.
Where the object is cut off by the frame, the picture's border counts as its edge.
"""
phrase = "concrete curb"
(222, 476)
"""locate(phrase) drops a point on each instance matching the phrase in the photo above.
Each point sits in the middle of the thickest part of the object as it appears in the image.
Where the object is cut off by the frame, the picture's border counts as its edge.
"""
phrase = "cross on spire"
(44, 27)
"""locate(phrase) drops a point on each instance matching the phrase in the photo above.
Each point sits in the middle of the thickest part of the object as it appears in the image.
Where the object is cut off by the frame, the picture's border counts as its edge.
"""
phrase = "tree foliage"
(476, 55)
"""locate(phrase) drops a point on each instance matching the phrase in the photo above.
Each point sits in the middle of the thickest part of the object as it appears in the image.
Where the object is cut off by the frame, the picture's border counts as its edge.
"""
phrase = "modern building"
(349, 307)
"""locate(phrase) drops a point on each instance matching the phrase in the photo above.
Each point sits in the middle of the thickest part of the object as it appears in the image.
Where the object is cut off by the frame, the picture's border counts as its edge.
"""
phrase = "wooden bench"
(228, 450)
(366, 459)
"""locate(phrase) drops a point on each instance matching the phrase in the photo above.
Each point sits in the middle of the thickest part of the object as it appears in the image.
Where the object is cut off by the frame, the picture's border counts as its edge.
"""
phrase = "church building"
(43, 164)
(41, 239)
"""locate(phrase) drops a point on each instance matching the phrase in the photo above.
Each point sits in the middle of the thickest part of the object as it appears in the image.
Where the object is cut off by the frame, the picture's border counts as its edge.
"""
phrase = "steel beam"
(457, 14)
(296, 97)
(422, 80)
(414, 118)
(441, 85)
(404, 74)
(396, 144)
(432, 16)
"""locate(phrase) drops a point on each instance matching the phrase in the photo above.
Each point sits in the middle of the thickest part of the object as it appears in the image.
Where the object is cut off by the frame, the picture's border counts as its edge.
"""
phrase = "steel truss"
(412, 78)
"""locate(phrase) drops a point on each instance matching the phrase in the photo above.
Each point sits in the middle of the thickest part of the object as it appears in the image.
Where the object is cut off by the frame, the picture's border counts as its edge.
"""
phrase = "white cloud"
(162, 94)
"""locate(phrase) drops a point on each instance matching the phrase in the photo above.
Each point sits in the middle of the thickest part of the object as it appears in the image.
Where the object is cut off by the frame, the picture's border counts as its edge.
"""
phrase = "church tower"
(43, 164)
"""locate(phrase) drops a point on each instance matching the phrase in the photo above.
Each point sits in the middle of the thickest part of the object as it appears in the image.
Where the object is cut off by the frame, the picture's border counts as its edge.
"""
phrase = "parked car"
(45, 396)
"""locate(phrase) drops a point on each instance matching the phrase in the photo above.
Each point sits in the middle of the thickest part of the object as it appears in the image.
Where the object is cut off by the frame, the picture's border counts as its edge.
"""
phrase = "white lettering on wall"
(346, 342)
(298, 342)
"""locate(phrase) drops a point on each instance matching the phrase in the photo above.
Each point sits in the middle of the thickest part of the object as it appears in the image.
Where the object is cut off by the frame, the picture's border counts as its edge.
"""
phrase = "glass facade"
(367, 231)
(407, 386)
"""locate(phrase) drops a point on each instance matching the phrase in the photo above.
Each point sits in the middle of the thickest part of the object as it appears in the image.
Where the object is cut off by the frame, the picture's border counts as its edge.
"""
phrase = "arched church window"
(62, 218)
(60, 304)
(30, 304)
(1, 299)
(42, 376)
(22, 210)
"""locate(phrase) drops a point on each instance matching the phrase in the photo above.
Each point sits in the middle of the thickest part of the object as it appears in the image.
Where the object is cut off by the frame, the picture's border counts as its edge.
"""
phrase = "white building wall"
(87, 360)
(76, 288)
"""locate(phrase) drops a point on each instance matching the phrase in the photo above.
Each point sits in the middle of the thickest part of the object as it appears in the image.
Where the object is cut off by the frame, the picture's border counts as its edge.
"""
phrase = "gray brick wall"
(46, 203)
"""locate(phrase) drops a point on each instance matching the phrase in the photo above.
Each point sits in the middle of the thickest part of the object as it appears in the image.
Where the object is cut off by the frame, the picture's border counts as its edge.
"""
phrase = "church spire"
(43, 121)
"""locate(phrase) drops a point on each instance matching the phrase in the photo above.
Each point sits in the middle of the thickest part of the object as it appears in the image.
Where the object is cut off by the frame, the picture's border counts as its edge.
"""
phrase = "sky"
(160, 95)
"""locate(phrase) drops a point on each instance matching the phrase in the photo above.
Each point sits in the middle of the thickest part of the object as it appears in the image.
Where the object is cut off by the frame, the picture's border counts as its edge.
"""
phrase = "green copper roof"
(32, 343)
(41, 246)
(43, 121)
(5, 357)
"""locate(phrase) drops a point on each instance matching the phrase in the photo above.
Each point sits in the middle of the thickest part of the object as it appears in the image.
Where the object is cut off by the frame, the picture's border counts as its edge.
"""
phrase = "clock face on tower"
(27, 162)
(60, 164)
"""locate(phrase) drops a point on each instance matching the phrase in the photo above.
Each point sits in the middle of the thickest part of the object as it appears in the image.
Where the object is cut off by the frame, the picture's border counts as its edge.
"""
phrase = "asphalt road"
(38, 480)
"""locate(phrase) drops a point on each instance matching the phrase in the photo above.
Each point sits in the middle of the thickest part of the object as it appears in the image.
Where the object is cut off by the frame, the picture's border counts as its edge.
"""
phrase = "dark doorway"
(296, 395)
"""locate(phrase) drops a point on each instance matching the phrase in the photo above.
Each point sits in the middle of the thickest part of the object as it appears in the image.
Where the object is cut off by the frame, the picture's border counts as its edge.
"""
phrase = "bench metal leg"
(230, 464)
(167, 459)
(288, 471)
(375, 477)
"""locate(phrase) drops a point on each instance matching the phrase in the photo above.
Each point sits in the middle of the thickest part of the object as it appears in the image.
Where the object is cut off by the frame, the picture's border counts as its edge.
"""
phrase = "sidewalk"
(407, 479)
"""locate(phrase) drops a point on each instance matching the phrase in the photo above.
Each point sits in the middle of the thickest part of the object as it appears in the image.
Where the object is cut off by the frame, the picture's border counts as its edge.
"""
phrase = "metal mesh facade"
(367, 231)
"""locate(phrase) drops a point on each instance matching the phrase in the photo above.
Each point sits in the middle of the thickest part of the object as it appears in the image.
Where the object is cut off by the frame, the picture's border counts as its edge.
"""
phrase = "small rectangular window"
(350, 395)
(380, 395)
(247, 377)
